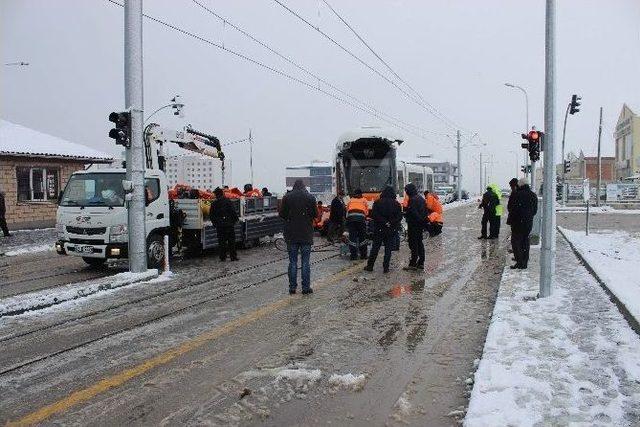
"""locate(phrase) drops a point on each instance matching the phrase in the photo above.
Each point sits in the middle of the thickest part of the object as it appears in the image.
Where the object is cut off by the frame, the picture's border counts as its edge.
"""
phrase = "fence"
(610, 193)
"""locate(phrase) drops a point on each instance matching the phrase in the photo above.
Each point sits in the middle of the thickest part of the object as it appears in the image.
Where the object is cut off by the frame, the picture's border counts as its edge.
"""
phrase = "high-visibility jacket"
(433, 204)
(496, 190)
(357, 207)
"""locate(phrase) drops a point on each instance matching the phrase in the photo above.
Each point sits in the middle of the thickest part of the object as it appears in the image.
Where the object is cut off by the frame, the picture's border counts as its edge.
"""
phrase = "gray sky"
(457, 54)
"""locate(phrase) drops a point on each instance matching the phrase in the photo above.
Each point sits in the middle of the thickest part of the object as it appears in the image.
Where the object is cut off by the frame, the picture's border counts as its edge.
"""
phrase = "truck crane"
(91, 220)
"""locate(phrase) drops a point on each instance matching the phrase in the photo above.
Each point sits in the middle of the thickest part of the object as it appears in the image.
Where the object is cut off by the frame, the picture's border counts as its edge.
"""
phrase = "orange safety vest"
(358, 205)
(433, 204)
(435, 217)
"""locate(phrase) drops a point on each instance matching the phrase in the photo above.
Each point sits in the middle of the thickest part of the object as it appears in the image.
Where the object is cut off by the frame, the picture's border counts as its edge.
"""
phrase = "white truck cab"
(91, 220)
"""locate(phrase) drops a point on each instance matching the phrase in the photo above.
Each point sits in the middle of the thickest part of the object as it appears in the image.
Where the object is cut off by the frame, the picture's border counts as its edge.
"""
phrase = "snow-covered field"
(615, 257)
(22, 303)
(569, 359)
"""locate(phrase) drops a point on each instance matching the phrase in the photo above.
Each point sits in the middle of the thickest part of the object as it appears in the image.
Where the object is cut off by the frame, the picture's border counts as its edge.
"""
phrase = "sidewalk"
(570, 359)
(22, 242)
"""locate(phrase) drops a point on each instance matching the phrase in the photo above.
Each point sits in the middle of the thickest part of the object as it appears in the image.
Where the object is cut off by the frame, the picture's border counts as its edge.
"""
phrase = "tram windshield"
(369, 165)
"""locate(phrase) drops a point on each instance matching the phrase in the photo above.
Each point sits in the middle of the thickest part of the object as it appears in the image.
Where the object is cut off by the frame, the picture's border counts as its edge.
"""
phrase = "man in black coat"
(513, 183)
(298, 210)
(3, 220)
(523, 208)
(223, 216)
(386, 215)
(488, 204)
(416, 216)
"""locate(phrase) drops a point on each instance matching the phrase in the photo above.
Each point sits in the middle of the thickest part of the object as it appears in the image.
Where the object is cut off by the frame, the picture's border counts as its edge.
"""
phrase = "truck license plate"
(86, 249)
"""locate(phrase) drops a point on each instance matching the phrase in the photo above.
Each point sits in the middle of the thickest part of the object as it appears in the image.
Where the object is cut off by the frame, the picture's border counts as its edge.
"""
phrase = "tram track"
(222, 291)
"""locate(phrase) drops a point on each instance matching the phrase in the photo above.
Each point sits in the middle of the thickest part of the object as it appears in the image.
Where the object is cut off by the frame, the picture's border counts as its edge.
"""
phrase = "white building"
(197, 171)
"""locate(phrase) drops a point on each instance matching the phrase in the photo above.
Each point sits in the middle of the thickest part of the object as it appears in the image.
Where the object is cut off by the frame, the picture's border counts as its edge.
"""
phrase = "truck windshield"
(94, 189)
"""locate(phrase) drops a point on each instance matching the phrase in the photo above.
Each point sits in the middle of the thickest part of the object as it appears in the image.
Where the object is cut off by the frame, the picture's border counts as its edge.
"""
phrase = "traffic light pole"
(548, 253)
(564, 131)
(135, 153)
(459, 167)
(599, 161)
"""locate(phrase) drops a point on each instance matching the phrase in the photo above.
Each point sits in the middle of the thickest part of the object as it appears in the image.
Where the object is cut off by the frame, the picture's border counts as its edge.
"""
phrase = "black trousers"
(494, 226)
(3, 226)
(434, 228)
(520, 245)
(416, 246)
(226, 242)
(357, 234)
(380, 237)
(485, 220)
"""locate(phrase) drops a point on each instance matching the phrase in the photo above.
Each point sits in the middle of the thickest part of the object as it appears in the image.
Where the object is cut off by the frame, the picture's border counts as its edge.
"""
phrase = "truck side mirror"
(59, 197)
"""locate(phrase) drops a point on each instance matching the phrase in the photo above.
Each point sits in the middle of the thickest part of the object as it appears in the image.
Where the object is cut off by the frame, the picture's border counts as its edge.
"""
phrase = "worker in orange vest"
(357, 212)
(435, 220)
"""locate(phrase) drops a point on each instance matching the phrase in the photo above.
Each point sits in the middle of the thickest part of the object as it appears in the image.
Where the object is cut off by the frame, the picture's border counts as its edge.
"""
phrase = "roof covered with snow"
(17, 140)
(368, 132)
(311, 165)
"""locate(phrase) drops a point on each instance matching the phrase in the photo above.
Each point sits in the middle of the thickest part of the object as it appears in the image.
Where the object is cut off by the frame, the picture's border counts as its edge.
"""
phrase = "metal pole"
(548, 253)
(136, 156)
(599, 161)
(586, 226)
(564, 131)
(459, 169)
(481, 174)
(251, 155)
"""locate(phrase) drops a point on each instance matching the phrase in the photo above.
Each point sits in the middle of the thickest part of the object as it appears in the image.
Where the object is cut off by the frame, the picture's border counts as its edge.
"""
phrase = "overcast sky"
(457, 54)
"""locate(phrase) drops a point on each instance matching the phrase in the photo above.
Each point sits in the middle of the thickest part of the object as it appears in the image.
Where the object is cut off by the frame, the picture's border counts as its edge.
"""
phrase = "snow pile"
(30, 249)
(615, 257)
(458, 203)
(19, 304)
(300, 374)
(570, 359)
(348, 381)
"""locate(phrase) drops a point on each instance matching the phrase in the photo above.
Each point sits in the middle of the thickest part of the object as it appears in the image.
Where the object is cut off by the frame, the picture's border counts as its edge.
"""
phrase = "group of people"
(299, 210)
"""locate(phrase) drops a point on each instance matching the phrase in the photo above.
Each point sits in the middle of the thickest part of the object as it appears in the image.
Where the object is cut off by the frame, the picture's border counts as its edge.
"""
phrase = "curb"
(632, 321)
(15, 305)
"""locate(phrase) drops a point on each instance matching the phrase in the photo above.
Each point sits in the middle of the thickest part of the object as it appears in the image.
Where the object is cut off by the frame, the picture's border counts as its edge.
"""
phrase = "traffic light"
(567, 166)
(534, 137)
(575, 103)
(122, 132)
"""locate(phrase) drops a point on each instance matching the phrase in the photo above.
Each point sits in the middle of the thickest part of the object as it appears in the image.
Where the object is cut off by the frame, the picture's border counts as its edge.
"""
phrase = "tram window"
(400, 183)
(416, 179)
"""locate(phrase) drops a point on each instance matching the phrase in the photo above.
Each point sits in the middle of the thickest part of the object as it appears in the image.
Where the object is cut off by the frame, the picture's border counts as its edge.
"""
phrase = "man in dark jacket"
(416, 215)
(387, 215)
(223, 216)
(298, 210)
(488, 204)
(514, 187)
(3, 211)
(337, 212)
(523, 208)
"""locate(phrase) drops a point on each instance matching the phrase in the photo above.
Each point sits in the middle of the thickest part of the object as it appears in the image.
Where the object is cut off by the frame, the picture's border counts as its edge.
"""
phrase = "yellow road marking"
(167, 356)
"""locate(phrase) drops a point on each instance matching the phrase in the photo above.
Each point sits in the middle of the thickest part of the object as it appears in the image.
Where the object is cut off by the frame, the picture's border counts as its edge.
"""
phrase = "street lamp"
(526, 101)
(175, 103)
(16, 64)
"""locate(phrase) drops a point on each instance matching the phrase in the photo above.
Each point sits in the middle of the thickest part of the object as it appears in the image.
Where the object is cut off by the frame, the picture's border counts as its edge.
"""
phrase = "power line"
(302, 68)
(274, 70)
(426, 106)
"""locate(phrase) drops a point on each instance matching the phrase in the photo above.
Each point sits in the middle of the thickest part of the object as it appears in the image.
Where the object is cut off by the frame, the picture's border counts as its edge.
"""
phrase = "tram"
(366, 159)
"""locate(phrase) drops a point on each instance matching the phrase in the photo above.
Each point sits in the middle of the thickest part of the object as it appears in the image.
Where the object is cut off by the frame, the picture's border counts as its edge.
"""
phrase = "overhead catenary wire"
(302, 68)
(274, 70)
(426, 106)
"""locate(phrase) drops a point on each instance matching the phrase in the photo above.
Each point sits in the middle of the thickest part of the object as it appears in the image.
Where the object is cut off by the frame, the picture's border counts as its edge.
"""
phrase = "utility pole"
(481, 187)
(251, 155)
(599, 161)
(459, 168)
(548, 253)
(135, 154)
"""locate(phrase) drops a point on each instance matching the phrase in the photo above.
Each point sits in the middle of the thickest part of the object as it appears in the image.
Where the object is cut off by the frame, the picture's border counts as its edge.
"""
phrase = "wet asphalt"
(237, 350)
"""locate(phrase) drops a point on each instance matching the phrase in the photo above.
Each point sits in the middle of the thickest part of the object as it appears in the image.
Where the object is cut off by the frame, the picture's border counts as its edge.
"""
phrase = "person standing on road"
(3, 211)
(488, 205)
(357, 212)
(387, 215)
(337, 214)
(223, 216)
(298, 210)
(496, 217)
(523, 208)
(415, 214)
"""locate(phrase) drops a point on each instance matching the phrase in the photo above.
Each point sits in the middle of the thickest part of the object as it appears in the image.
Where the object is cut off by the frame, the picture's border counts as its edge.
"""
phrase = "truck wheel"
(155, 251)
(94, 262)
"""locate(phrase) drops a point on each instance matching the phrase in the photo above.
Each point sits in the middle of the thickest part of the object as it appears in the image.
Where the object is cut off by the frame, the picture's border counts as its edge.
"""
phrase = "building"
(196, 170)
(444, 173)
(583, 167)
(317, 177)
(627, 140)
(34, 168)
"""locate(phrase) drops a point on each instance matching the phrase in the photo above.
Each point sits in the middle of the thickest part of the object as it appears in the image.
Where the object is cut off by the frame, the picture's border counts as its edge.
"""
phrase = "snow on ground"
(615, 257)
(348, 381)
(570, 359)
(597, 210)
(22, 242)
(29, 249)
(22, 303)
(458, 203)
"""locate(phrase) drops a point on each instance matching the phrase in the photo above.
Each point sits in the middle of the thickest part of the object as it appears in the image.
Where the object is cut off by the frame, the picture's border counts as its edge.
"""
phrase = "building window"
(37, 184)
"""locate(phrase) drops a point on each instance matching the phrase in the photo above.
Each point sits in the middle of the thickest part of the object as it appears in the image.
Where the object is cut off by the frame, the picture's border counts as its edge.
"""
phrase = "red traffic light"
(533, 135)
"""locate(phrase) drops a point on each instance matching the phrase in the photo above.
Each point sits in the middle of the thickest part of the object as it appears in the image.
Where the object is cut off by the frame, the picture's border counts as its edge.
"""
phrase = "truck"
(92, 217)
